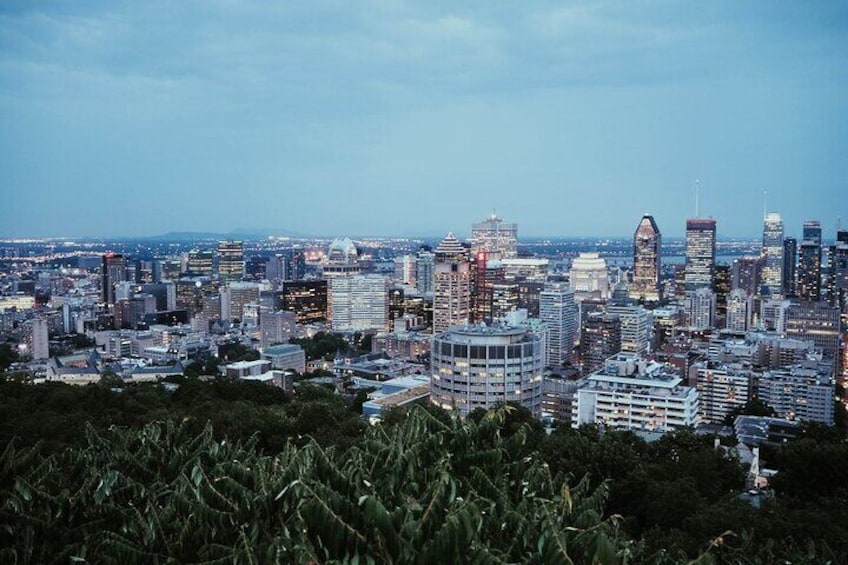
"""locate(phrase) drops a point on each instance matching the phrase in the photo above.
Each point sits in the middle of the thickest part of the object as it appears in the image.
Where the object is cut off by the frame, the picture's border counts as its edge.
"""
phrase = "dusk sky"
(394, 118)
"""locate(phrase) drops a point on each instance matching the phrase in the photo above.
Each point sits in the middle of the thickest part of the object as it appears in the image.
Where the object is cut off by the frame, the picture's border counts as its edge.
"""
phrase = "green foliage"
(8, 355)
(754, 407)
(322, 345)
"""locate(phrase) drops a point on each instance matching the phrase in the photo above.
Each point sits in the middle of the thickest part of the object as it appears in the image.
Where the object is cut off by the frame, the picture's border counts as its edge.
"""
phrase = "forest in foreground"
(224, 472)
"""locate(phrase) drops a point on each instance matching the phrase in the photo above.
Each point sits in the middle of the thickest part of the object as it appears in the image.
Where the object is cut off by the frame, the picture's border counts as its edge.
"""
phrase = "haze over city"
(379, 118)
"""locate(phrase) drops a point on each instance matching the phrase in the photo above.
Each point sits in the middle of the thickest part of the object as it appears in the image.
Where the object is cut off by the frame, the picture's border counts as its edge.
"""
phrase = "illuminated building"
(452, 286)
(636, 324)
(773, 315)
(600, 338)
(700, 308)
(504, 299)
(790, 261)
(113, 272)
(235, 296)
(231, 260)
(647, 243)
(359, 303)
(276, 327)
(700, 253)
(632, 393)
(200, 263)
(817, 322)
(721, 389)
(739, 311)
(479, 367)
(494, 236)
(558, 310)
(588, 277)
(809, 271)
(486, 273)
(405, 269)
(425, 271)
(772, 275)
(802, 392)
(526, 269)
(307, 299)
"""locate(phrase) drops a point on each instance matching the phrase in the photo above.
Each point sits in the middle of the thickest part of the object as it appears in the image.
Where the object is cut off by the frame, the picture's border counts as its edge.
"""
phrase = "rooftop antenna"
(765, 207)
(697, 197)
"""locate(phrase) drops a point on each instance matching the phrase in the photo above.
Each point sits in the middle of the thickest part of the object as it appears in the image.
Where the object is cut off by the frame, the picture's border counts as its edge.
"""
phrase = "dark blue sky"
(136, 118)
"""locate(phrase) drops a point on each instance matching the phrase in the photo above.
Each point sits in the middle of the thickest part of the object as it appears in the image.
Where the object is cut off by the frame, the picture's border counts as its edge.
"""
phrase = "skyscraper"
(231, 260)
(493, 235)
(647, 243)
(452, 285)
(809, 271)
(558, 310)
(359, 303)
(424, 271)
(812, 231)
(790, 260)
(739, 310)
(600, 338)
(700, 253)
(199, 263)
(773, 253)
(588, 277)
(114, 271)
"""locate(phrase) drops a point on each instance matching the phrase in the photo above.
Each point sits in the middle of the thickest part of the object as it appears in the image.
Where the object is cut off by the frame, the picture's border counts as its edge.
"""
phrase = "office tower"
(840, 273)
(297, 262)
(773, 253)
(721, 389)
(479, 367)
(636, 326)
(276, 327)
(828, 285)
(359, 303)
(200, 263)
(600, 339)
(495, 236)
(36, 332)
(529, 296)
(588, 277)
(773, 315)
(255, 268)
(342, 250)
(146, 271)
(307, 299)
(745, 273)
(405, 268)
(817, 322)
(700, 308)
(114, 271)
(526, 269)
(277, 269)
(231, 260)
(722, 289)
(809, 271)
(424, 270)
(558, 310)
(452, 285)
(812, 232)
(240, 295)
(700, 253)
(631, 393)
(739, 311)
(504, 299)
(790, 261)
(647, 244)
(486, 273)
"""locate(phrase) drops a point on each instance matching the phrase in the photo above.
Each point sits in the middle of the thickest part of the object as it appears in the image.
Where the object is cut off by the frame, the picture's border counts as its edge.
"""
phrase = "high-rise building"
(405, 269)
(240, 295)
(721, 286)
(700, 308)
(452, 285)
(231, 260)
(200, 263)
(840, 273)
(359, 303)
(114, 271)
(773, 253)
(635, 326)
(505, 296)
(558, 310)
(647, 245)
(478, 367)
(721, 388)
(809, 271)
(424, 271)
(589, 278)
(739, 311)
(812, 232)
(700, 253)
(487, 272)
(307, 299)
(801, 392)
(817, 322)
(495, 236)
(37, 338)
(276, 327)
(745, 273)
(790, 261)
(600, 338)
(297, 262)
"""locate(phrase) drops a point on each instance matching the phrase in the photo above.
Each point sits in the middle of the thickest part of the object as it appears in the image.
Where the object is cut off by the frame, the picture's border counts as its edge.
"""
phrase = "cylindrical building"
(480, 366)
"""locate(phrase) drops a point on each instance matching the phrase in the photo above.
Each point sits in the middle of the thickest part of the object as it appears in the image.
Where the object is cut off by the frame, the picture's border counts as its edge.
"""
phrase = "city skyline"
(126, 120)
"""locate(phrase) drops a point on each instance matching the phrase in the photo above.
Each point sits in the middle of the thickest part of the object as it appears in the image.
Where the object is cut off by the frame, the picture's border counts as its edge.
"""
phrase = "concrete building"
(402, 344)
(425, 271)
(242, 369)
(632, 393)
(495, 236)
(636, 324)
(287, 356)
(721, 388)
(558, 310)
(739, 310)
(589, 278)
(802, 392)
(452, 286)
(479, 367)
(276, 327)
(700, 307)
(359, 303)
(37, 342)
(817, 322)
(600, 339)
